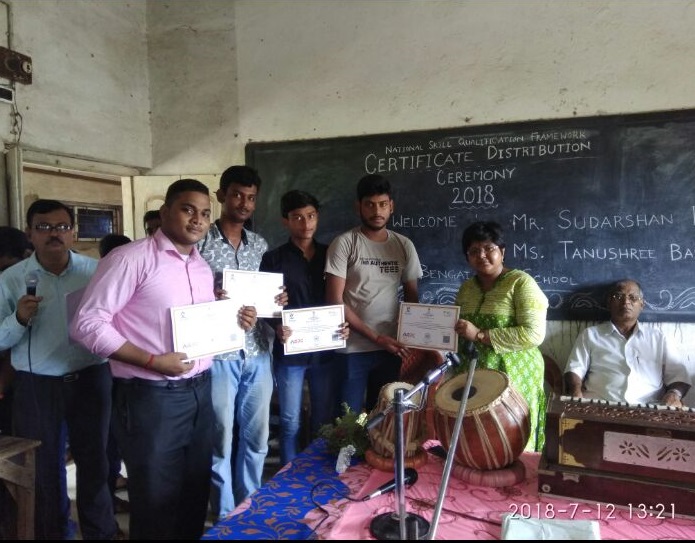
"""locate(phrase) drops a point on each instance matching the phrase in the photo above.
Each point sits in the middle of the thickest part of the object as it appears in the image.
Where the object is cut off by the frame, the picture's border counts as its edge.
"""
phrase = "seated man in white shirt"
(624, 361)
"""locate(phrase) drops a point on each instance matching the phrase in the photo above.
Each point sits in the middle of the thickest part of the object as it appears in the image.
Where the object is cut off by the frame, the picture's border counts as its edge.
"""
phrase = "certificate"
(254, 288)
(205, 329)
(428, 326)
(314, 328)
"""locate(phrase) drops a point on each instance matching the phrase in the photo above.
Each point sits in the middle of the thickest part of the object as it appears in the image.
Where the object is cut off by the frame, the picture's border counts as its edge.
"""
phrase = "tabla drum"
(496, 424)
(383, 436)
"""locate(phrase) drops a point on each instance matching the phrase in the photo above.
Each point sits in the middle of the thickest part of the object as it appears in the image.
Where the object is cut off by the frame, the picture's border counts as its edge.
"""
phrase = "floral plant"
(350, 429)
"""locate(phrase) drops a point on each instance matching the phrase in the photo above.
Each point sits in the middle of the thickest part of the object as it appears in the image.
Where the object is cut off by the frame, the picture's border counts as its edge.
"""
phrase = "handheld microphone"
(409, 478)
(31, 280)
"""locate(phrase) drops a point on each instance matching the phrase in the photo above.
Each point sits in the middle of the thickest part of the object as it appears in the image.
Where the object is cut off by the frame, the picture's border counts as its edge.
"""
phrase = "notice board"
(583, 202)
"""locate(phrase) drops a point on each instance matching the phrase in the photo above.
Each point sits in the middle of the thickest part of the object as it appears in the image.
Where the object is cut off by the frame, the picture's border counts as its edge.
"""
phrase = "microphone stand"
(472, 354)
(408, 525)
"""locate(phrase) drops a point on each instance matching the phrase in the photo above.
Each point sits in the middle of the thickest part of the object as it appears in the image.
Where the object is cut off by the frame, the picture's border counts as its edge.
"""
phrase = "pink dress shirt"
(129, 298)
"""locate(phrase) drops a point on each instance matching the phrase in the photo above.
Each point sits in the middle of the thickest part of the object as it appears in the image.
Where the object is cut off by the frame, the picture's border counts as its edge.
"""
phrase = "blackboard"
(583, 202)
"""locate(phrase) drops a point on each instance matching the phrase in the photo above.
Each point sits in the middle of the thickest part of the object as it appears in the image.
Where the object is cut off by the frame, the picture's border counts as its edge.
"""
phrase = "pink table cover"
(475, 512)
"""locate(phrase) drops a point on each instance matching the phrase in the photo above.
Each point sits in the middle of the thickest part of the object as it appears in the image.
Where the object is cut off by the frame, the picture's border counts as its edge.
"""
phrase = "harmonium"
(631, 456)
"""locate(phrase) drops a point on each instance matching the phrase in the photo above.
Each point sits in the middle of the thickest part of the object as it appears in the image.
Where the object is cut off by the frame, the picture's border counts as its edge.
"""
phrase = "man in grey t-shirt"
(365, 268)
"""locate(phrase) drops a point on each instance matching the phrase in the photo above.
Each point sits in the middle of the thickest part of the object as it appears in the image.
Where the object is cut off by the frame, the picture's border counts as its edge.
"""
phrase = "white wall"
(293, 69)
(192, 63)
(315, 69)
(222, 73)
(90, 91)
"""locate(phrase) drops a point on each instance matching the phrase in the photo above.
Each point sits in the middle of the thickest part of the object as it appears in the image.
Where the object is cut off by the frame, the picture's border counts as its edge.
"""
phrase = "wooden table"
(17, 471)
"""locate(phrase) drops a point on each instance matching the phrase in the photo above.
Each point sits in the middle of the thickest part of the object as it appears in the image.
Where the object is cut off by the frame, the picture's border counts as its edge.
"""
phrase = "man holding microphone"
(58, 385)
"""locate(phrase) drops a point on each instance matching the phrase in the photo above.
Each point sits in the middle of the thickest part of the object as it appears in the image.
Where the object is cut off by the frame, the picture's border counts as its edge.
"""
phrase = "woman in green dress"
(503, 311)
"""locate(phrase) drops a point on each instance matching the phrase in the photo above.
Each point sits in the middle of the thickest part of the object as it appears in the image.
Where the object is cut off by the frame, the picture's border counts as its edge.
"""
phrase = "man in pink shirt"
(162, 406)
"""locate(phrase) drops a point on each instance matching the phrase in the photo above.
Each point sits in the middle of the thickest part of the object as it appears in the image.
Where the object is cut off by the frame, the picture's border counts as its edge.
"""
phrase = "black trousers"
(164, 431)
(76, 406)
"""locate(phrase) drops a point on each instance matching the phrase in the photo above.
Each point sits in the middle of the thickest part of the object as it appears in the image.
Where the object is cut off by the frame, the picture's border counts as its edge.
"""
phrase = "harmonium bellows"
(619, 453)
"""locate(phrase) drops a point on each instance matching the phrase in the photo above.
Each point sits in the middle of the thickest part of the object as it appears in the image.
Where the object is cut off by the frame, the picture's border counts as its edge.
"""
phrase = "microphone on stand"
(471, 352)
(31, 280)
(453, 358)
(409, 478)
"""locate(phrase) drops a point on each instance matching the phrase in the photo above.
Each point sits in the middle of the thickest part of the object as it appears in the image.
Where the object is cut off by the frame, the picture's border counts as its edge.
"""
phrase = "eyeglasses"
(61, 228)
(620, 297)
(487, 250)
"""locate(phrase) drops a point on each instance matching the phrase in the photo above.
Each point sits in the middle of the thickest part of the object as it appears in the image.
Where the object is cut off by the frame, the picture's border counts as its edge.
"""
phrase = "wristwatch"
(480, 336)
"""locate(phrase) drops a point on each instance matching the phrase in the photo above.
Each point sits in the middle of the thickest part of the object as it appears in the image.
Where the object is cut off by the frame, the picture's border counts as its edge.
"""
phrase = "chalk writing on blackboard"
(583, 202)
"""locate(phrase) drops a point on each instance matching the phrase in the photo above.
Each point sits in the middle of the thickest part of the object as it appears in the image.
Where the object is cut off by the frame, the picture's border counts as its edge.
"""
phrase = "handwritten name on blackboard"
(584, 202)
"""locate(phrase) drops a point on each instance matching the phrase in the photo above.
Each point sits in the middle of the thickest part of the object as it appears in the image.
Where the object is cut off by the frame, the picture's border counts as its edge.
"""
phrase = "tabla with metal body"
(496, 423)
(383, 436)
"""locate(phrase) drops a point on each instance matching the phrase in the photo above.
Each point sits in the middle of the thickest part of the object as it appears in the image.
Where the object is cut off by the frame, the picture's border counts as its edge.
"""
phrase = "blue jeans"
(241, 392)
(323, 394)
(363, 375)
